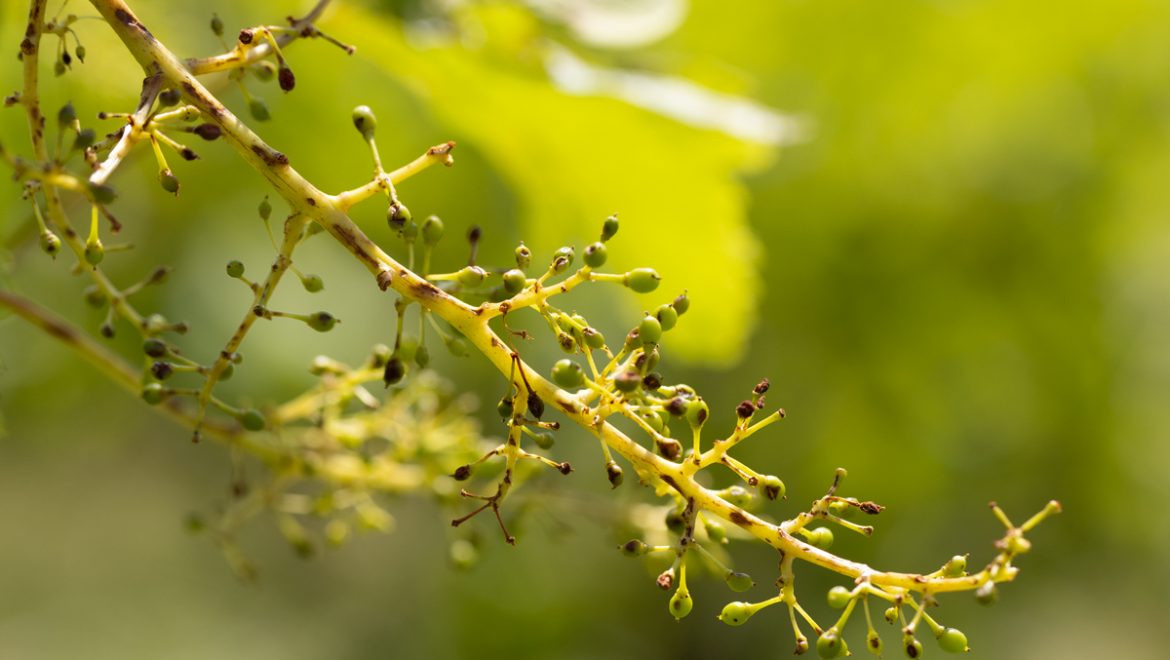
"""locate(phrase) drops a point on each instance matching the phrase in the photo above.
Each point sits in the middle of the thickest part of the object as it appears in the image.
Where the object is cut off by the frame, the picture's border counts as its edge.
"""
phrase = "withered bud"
(762, 386)
(745, 410)
(462, 473)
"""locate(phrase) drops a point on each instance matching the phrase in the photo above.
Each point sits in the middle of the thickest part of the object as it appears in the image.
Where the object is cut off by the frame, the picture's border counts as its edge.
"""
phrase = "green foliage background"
(957, 282)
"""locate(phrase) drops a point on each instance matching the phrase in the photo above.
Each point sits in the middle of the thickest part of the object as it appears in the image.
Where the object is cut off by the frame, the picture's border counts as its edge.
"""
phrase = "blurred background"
(941, 227)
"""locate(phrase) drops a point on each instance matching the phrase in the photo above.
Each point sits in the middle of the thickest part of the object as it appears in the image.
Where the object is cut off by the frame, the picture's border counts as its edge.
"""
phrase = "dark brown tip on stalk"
(246, 36)
(745, 409)
(762, 386)
(462, 473)
(665, 580)
(871, 508)
(287, 80)
(208, 132)
(188, 154)
(565, 468)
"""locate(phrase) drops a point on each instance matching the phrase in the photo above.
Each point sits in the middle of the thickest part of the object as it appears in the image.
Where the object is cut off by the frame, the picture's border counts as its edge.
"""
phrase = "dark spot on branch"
(384, 279)
(669, 481)
(567, 406)
(740, 519)
(270, 156)
(351, 243)
(311, 201)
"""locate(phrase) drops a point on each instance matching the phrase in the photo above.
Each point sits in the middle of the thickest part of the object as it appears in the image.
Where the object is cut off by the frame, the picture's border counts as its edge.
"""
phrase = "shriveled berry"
(642, 280)
(155, 348)
(772, 487)
(595, 255)
(562, 258)
(535, 405)
(394, 371)
(912, 647)
(287, 80)
(613, 472)
(873, 642)
(891, 615)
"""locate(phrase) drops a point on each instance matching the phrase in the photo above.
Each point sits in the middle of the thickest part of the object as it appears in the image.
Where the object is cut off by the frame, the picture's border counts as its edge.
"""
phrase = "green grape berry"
(169, 181)
(66, 116)
(155, 348)
(153, 393)
(987, 593)
(891, 615)
(217, 25)
(265, 208)
(543, 439)
(634, 548)
(259, 110)
(422, 357)
(458, 346)
(312, 283)
(94, 251)
(843, 509)
(839, 597)
(681, 603)
(681, 304)
(952, 640)
(398, 216)
(235, 268)
(912, 647)
(432, 230)
(84, 140)
(609, 228)
(830, 644)
(252, 420)
(736, 613)
(595, 255)
(642, 280)
(873, 642)
(514, 281)
(627, 381)
(715, 531)
(523, 256)
(649, 330)
(471, 276)
(697, 413)
(772, 487)
(562, 259)
(102, 193)
(821, 537)
(365, 121)
(568, 374)
(505, 407)
(955, 567)
(50, 243)
(593, 338)
(738, 582)
(667, 316)
(322, 321)
(169, 97)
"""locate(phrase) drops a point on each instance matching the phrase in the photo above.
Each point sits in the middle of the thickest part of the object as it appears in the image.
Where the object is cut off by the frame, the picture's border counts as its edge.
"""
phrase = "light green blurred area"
(957, 281)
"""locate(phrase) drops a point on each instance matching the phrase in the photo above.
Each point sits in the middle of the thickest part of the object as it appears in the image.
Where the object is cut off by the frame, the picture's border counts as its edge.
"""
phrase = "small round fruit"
(830, 644)
(681, 604)
(514, 281)
(252, 420)
(642, 280)
(736, 613)
(839, 597)
(649, 330)
(952, 640)
(667, 316)
(738, 582)
(595, 255)
(365, 121)
(568, 374)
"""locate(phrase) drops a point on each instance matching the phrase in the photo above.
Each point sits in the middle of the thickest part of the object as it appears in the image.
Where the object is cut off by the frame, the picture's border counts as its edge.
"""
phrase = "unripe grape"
(102, 193)
(568, 374)
(955, 567)
(667, 316)
(523, 256)
(697, 413)
(259, 110)
(235, 268)
(432, 230)
(839, 597)
(470, 275)
(772, 487)
(681, 304)
(609, 227)
(891, 615)
(593, 338)
(736, 613)
(265, 208)
(738, 582)
(595, 255)
(50, 243)
(952, 640)
(94, 251)
(322, 321)
(627, 381)
(830, 644)
(252, 420)
(715, 531)
(169, 97)
(169, 181)
(422, 357)
(562, 259)
(821, 537)
(613, 472)
(153, 393)
(84, 140)
(642, 280)
(649, 330)
(912, 648)
(634, 548)
(505, 407)
(312, 283)
(458, 346)
(217, 25)
(543, 439)
(681, 603)
(514, 281)
(66, 116)
(873, 642)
